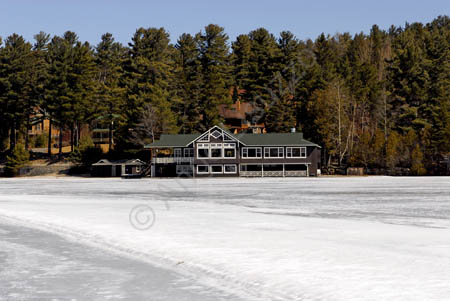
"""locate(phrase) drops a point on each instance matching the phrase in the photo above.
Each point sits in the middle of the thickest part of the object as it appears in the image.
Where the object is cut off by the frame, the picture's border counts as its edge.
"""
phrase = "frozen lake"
(371, 238)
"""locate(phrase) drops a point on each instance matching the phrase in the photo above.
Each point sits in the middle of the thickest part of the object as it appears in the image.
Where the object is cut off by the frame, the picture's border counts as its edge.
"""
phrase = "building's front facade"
(217, 152)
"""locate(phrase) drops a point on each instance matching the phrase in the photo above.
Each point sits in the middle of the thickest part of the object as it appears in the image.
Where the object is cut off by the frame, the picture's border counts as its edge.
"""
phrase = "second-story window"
(177, 152)
(216, 150)
(296, 152)
(229, 150)
(189, 152)
(273, 152)
(202, 150)
(251, 152)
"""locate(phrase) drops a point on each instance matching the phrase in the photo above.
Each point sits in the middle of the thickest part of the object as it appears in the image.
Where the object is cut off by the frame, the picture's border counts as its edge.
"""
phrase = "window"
(205, 138)
(184, 170)
(203, 150)
(303, 152)
(229, 150)
(189, 152)
(229, 168)
(216, 169)
(229, 153)
(251, 167)
(203, 153)
(296, 152)
(273, 152)
(216, 152)
(202, 169)
(251, 152)
(227, 138)
(177, 152)
(216, 134)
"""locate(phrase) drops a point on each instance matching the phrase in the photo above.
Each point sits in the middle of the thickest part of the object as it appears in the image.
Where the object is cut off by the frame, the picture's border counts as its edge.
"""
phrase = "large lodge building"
(217, 152)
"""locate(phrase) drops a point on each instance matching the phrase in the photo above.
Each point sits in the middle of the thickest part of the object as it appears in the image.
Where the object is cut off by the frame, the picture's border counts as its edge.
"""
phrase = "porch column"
(307, 170)
(262, 170)
(283, 170)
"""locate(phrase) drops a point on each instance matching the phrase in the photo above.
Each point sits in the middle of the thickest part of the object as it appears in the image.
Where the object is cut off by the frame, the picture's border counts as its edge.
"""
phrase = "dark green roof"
(279, 139)
(179, 140)
(274, 139)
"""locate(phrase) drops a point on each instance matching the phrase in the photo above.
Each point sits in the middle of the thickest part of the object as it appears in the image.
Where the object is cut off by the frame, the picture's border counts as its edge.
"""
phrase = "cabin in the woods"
(217, 152)
(238, 118)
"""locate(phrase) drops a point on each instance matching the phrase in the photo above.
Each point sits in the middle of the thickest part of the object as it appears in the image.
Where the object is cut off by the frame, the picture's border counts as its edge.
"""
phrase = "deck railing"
(274, 173)
(173, 160)
(295, 173)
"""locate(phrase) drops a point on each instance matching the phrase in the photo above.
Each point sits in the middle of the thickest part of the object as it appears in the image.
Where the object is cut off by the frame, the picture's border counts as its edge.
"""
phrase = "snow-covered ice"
(37, 265)
(368, 238)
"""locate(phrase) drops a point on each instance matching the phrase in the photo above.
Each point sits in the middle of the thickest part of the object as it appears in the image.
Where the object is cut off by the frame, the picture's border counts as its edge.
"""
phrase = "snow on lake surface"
(368, 238)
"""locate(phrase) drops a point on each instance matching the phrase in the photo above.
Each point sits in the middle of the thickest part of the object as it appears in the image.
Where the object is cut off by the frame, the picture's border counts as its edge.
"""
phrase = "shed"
(106, 168)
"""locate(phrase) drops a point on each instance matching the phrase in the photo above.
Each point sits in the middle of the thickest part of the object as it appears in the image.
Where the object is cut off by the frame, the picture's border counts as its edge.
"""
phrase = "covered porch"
(274, 170)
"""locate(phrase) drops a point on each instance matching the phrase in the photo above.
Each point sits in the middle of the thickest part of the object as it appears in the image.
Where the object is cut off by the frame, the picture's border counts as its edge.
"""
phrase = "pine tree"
(39, 80)
(149, 73)
(242, 51)
(109, 58)
(263, 65)
(188, 79)
(216, 71)
(15, 86)
(70, 86)
(19, 158)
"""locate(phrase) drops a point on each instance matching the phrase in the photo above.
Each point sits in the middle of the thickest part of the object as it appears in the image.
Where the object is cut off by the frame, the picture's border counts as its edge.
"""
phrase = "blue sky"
(306, 19)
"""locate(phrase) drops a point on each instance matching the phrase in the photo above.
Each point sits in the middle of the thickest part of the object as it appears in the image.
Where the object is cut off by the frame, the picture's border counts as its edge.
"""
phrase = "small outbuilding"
(121, 168)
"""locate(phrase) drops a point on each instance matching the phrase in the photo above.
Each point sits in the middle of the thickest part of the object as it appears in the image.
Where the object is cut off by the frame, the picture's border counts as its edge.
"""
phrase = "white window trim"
(306, 152)
(221, 152)
(228, 172)
(200, 139)
(202, 172)
(199, 148)
(269, 157)
(242, 153)
(177, 150)
(215, 172)
(184, 169)
(187, 150)
(216, 131)
(221, 146)
(301, 148)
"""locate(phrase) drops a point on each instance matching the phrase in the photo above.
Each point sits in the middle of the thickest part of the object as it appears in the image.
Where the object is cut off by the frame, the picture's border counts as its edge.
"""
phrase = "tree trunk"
(60, 140)
(77, 133)
(27, 136)
(71, 137)
(339, 126)
(110, 136)
(12, 136)
(49, 142)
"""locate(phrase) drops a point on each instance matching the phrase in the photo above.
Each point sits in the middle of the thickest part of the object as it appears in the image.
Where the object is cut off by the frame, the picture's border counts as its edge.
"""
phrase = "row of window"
(273, 152)
(216, 150)
(216, 169)
(228, 151)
